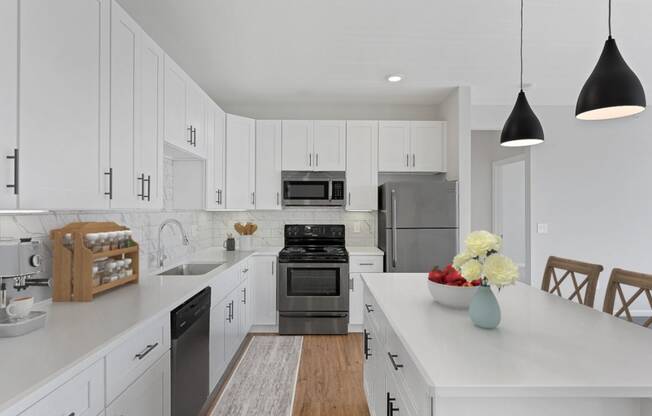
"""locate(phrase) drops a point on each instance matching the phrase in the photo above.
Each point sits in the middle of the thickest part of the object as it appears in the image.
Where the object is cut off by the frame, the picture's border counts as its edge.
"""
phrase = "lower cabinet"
(217, 340)
(359, 264)
(149, 395)
(264, 286)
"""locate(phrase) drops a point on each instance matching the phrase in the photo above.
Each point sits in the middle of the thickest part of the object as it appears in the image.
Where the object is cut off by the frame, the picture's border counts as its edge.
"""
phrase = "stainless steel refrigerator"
(417, 225)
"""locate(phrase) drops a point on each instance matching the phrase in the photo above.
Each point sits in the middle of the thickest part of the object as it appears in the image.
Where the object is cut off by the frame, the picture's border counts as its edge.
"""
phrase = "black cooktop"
(314, 243)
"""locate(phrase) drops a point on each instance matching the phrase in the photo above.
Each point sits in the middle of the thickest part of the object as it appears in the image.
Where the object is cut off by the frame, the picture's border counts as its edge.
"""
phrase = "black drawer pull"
(390, 405)
(369, 307)
(146, 351)
(367, 338)
(394, 364)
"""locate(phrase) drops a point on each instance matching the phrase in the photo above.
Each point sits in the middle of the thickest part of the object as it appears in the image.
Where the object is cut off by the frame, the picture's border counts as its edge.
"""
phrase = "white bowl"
(458, 297)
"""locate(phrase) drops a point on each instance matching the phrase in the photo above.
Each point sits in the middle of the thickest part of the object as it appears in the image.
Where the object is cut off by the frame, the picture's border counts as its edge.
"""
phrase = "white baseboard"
(355, 328)
(265, 329)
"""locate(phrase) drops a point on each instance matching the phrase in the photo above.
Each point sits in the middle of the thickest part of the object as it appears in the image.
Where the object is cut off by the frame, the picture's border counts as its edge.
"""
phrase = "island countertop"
(545, 346)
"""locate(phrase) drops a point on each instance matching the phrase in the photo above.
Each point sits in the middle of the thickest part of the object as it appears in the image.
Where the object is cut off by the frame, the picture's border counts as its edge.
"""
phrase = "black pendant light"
(522, 128)
(613, 90)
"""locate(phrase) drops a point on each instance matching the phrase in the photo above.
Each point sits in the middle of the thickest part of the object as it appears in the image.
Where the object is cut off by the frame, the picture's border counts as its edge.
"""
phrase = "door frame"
(495, 165)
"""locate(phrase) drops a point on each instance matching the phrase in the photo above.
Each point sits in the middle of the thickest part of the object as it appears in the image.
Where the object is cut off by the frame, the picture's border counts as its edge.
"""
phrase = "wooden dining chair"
(584, 290)
(619, 278)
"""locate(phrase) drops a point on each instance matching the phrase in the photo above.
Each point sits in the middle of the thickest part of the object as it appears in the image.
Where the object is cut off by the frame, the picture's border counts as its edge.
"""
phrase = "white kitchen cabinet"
(264, 269)
(359, 264)
(8, 100)
(240, 162)
(412, 146)
(297, 144)
(268, 164)
(83, 395)
(149, 395)
(64, 104)
(246, 311)
(216, 157)
(330, 145)
(362, 165)
(314, 145)
(196, 101)
(428, 144)
(220, 314)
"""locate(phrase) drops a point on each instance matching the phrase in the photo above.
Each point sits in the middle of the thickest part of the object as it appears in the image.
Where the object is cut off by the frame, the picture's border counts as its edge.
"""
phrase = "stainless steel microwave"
(313, 189)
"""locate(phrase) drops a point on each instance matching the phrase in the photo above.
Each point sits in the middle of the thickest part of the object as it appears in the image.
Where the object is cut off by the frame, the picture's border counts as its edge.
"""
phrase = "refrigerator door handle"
(394, 247)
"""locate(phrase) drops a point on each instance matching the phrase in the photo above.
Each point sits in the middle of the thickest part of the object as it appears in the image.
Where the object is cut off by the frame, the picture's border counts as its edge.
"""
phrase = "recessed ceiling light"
(394, 77)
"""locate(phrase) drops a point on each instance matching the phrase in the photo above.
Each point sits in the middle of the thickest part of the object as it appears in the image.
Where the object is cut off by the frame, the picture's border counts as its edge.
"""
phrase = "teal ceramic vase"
(485, 310)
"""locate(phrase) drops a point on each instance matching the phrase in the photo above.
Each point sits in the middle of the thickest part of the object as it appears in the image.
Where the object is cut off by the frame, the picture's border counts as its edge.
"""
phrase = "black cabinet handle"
(244, 295)
(149, 187)
(110, 173)
(15, 159)
(190, 135)
(390, 405)
(146, 351)
(141, 179)
(367, 338)
(369, 307)
(194, 136)
(394, 364)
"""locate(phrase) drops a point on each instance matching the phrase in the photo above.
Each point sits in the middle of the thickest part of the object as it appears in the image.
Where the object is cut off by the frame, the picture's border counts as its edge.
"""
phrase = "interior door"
(330, 146)
(298, 144)
(150, 147)
(64, 106)
(176, 130)
(240, 155)
(428, 146)
(8, 100)
(362, 165)
(394, 146)
(128, 185)
(268, 164)
(419, 250)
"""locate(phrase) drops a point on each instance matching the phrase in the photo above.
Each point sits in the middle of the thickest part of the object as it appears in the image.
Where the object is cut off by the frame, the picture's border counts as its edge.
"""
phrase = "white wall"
(590, 182)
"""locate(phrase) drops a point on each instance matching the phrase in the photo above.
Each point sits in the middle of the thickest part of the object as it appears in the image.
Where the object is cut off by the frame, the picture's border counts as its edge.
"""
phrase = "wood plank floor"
(330, 377)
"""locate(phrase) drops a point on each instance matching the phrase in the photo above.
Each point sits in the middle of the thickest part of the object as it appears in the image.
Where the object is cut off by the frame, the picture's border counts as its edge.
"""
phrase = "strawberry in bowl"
(449, 288)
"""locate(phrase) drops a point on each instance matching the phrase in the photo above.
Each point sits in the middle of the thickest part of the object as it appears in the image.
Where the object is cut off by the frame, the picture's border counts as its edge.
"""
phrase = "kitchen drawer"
(408, 376)
(83, 395)
(402, 401)
(126, 362)
(224, 284)
(374, 315)
(365, 264)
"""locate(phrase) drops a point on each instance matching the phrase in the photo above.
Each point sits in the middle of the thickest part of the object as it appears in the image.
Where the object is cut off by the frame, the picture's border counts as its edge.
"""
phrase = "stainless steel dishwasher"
(190, 354)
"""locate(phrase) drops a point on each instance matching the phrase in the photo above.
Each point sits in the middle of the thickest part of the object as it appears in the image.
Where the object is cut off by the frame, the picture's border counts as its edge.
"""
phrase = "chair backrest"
(619, 278)
(584, 291)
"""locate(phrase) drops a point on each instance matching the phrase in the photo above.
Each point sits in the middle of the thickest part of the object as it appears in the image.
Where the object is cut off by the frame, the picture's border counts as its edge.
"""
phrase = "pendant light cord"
(522, 43)
(609, 19)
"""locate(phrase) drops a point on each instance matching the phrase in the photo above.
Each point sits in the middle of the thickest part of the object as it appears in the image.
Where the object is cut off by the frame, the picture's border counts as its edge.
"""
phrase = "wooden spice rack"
(72, 268)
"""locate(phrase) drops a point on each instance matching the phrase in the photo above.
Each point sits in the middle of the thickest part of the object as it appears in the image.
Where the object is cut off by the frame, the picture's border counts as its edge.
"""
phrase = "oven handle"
(330, 190)
(314, 314)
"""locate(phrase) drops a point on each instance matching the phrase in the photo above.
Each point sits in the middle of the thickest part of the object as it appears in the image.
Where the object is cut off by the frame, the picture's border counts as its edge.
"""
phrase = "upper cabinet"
(8, 101)
(412, 146)
(268, 164)
(215, 156)
(362, 165)
(240, 162)
(184, 113)
(64, 105)
(314, 145)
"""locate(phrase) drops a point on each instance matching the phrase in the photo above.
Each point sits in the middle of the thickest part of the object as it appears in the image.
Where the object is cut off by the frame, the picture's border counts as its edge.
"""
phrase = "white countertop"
(364, 251)
(78, 333)
(545, 345)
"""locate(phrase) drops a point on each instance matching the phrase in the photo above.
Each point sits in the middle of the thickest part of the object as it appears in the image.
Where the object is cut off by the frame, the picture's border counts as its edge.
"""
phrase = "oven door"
(312, 287)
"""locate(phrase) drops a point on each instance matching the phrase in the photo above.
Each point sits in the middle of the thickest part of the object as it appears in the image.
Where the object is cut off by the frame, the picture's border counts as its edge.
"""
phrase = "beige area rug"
(264, 380)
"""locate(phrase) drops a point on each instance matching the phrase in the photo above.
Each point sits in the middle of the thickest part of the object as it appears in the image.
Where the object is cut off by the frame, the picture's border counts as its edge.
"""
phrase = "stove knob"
(35, 260)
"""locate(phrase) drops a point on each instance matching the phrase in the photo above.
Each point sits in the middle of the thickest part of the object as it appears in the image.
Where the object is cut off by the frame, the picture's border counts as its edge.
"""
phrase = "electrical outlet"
(542, 228)
(356, 227)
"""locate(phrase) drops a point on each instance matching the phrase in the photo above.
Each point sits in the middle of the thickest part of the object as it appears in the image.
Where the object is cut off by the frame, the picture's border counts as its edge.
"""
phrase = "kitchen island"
(549, 356)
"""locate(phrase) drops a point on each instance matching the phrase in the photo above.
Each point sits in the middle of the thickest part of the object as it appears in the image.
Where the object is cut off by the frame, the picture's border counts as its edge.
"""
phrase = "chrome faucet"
(184, 238)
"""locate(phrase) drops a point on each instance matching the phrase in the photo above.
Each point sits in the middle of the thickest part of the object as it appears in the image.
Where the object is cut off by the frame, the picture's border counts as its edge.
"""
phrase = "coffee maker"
(20, 263)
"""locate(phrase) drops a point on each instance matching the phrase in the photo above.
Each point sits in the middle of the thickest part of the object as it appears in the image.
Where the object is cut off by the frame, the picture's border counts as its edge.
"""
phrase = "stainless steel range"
(313, 281)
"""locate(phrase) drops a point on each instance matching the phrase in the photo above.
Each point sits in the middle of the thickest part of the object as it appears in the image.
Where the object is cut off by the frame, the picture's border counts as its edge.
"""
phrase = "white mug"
(20, 307)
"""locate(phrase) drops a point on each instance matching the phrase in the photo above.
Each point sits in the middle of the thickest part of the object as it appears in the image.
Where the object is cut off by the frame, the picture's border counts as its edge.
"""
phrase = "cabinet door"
(150, 144)
(330, 146)
(219, 158)
(232, 327)
(217, 342)
(298, 145)
(268, 164)
(196, 102)
(394, 146)
(428, 146)
(177, 132)
(356, 316)
(64, 81)
(128, 185)
(149, 395)
(210, 201)
(362, 165)
(240, 159)
(264, 290)
(8, 99)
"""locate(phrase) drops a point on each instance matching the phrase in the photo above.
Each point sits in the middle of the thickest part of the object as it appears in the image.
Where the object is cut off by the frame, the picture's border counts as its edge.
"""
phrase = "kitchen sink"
(191, 269)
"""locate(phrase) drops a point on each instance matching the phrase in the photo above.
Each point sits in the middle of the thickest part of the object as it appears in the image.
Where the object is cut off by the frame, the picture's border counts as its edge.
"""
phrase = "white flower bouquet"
(482, 260)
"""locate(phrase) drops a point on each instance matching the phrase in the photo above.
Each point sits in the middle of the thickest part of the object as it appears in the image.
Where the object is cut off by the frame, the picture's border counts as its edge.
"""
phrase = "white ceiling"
(303, 52)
